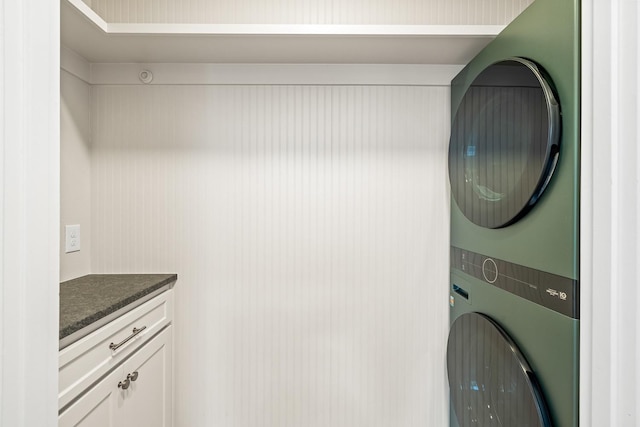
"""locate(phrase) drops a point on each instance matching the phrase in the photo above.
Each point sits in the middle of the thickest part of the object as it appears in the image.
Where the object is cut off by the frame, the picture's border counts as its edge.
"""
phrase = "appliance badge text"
(557, 294)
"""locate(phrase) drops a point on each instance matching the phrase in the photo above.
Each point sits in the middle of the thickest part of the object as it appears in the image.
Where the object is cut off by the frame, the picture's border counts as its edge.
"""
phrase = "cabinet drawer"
(85, 361)
(146, 400)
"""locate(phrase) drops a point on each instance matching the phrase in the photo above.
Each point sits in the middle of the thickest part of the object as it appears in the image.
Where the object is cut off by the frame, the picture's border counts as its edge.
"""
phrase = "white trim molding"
(275, 74)
(75, 64)
(610, 227)
(29, 218)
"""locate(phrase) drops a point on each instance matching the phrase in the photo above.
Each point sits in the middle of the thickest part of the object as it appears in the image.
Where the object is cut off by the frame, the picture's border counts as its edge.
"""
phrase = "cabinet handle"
(135, 332)
(133, 376)
(124, 384)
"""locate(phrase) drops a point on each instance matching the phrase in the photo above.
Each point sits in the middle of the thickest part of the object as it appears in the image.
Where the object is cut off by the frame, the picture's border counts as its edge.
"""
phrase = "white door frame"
(29, 214)
(610, 214)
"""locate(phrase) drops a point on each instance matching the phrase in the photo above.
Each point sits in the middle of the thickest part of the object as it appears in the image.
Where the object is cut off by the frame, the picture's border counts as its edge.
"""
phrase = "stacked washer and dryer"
(512, 352)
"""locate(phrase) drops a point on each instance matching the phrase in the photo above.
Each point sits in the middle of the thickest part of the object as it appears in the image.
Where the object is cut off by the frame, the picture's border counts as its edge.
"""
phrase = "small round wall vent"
(146, 76)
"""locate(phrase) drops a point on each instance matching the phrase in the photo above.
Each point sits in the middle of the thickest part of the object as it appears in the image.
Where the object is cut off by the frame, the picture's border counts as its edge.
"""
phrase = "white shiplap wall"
(408, 12)
(308, 226)
(75, 172)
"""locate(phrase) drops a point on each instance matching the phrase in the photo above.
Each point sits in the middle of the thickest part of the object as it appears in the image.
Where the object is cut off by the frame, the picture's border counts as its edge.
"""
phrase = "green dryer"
(513, 347)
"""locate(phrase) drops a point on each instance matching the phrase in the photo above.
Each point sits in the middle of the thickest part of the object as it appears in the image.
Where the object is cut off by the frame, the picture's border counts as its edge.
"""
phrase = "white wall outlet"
(72, 238)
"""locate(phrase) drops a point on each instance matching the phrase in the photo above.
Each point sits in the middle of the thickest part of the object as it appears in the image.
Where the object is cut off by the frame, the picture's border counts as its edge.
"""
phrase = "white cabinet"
(147, 400)
(97, 407)
(135, 387)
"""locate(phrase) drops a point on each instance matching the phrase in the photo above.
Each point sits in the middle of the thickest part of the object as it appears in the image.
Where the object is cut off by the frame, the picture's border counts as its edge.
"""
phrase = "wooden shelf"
(86, 33)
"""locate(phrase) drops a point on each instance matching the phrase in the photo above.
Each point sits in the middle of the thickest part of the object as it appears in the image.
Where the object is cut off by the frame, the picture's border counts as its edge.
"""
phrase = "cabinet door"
(97, 407)
(148, 402)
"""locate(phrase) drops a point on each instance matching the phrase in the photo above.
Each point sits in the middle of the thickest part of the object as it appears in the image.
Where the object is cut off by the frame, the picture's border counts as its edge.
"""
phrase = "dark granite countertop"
(87, 300)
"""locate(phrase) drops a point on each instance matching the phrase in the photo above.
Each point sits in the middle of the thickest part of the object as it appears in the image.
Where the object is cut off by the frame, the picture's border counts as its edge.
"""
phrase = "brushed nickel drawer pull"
(124, 384)
(135, 332)
(133, 376)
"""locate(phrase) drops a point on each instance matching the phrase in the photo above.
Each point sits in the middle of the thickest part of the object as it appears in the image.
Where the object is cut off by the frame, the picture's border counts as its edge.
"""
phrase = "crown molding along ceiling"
(86, 33)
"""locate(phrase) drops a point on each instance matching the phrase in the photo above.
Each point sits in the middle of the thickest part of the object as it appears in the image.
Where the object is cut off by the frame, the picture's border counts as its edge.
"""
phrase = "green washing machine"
(513, 346)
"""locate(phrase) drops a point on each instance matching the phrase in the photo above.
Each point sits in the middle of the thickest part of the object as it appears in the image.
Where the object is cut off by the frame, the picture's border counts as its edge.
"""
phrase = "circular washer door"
(504, 143)
(490, 382)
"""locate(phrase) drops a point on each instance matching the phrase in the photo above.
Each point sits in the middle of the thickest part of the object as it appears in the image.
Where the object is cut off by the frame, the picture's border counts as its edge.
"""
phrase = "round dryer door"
(490, 382)
(504, 143)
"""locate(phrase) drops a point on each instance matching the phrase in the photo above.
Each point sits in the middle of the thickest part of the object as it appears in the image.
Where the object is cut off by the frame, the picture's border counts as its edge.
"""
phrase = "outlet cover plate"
(72, 238)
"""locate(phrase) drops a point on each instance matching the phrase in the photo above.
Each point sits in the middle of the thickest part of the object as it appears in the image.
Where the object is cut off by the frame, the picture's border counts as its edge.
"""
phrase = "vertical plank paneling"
(308, 227)
(409, 12)
(75, 172)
